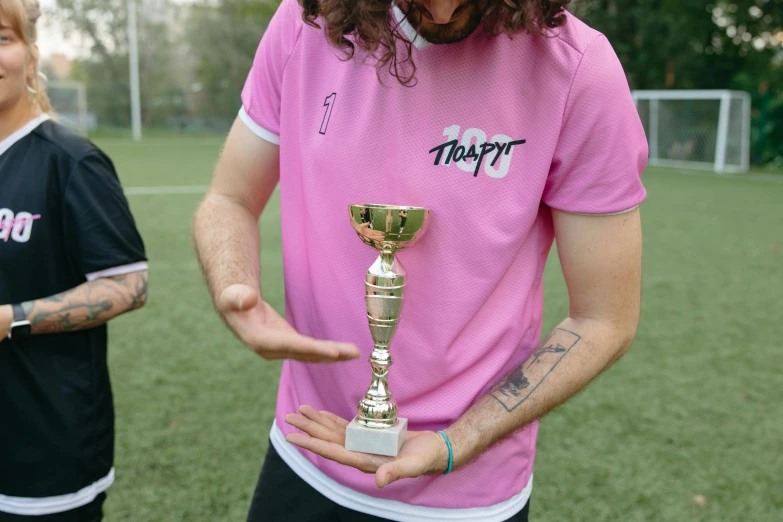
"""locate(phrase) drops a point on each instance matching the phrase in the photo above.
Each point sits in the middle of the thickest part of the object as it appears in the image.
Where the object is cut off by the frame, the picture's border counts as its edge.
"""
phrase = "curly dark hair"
(372, 28)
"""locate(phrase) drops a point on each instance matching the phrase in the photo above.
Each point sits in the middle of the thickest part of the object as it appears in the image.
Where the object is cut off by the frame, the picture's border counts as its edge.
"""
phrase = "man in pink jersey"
(513, 122)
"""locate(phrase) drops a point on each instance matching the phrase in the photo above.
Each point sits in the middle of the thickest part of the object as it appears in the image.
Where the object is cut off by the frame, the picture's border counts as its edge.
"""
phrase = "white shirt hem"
(58, 504)
(257, 129)
(391, 509)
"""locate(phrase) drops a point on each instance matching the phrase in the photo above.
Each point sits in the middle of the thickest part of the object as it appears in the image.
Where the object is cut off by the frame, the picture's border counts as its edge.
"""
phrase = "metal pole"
(82, 103)
(654, 122)
(745, 131)
(133, 52)
(723, 133)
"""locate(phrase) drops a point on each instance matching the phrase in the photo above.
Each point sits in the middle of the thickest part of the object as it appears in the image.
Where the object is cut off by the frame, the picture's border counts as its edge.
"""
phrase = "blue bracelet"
(451, 453)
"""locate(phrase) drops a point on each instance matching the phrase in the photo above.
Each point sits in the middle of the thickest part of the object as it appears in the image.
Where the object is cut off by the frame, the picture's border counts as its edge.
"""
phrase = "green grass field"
(693, 409)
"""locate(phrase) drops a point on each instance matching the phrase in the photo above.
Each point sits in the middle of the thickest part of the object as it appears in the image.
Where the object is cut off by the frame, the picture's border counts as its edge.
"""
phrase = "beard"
(470, 14)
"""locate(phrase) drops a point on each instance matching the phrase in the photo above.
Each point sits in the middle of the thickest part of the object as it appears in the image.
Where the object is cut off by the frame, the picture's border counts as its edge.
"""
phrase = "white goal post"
(69, 102)
(703, 129)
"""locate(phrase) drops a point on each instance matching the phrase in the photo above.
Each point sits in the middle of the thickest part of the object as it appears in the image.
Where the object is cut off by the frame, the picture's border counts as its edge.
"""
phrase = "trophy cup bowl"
(387, 228)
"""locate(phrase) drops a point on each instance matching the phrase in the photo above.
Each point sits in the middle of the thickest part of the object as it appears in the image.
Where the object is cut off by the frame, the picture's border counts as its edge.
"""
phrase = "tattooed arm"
(85, 306)
(601, 262)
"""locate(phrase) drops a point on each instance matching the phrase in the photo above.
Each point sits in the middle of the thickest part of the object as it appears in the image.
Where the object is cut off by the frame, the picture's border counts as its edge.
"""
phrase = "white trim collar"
(23, 131)
(412, 34)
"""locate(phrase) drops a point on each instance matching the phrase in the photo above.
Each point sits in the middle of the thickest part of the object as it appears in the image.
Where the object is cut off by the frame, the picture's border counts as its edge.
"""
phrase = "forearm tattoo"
(88, 305)
(518, 385)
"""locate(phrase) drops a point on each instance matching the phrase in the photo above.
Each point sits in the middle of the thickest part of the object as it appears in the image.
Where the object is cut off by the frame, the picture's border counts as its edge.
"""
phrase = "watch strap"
(20, 328)
(19, 313)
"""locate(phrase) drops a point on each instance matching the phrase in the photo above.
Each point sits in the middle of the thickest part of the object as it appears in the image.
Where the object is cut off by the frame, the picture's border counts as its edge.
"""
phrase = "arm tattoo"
(516, 387)
(137, 285)
(88, 305)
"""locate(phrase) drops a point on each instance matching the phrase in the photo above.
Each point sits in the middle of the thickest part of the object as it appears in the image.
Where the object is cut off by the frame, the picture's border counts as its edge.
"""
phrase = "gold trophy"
(376, 428)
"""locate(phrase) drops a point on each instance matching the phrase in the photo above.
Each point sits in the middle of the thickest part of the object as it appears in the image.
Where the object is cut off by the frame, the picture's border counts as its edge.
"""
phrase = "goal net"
(697, 129)
(69, 101)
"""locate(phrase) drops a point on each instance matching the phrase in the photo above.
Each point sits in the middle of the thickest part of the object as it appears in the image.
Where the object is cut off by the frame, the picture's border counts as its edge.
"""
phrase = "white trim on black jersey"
(58, 504)
(20, 133)
(391, 509)
(118, 270)
(70, 189)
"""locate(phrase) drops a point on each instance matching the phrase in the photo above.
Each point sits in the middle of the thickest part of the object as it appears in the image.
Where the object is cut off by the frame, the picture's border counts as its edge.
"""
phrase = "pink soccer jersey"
(495, 134)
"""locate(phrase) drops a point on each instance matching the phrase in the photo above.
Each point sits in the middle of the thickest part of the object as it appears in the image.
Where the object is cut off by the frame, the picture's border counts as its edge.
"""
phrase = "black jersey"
(64, 220)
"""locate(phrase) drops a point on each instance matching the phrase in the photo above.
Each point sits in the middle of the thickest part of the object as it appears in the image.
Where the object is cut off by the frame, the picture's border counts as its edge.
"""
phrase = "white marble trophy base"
(384, 441)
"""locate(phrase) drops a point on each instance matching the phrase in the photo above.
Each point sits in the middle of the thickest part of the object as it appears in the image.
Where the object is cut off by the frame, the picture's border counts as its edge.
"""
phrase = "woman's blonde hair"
(23, 15)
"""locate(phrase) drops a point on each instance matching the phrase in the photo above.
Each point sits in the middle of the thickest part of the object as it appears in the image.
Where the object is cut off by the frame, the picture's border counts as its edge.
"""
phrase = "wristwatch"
(20, 327)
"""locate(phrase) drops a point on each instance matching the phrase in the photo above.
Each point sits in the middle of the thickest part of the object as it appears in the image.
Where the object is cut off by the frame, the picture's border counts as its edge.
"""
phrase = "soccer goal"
(69, 101)
(697, 129)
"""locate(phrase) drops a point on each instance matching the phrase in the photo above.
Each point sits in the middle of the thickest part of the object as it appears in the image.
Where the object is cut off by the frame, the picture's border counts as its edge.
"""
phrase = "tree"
(103, 24)
(687, 43)
(223, 39)
(690, 44)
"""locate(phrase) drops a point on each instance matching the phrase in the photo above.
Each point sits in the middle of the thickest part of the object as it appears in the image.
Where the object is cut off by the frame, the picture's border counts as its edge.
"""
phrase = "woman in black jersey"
(70, 260)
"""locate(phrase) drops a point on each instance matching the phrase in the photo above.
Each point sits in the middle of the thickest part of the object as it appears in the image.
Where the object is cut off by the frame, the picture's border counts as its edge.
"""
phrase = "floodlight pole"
(133, 53)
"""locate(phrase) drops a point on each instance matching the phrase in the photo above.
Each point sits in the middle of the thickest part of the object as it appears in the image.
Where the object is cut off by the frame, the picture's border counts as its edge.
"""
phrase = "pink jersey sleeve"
(261, 93)
(602, 149)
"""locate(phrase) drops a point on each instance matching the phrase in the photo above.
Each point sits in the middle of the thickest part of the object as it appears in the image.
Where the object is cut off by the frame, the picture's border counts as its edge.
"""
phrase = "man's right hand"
(265, 332)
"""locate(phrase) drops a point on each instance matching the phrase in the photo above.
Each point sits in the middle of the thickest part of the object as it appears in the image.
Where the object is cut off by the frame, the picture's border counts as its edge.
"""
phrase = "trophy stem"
(384, 287)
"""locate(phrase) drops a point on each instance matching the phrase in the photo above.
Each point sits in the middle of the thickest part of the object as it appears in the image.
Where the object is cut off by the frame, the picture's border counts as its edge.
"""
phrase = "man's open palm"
(265, 332)
(423, 453)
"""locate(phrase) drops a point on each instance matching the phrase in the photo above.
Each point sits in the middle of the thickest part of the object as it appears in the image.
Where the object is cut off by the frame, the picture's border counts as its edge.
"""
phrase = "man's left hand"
(423, 453)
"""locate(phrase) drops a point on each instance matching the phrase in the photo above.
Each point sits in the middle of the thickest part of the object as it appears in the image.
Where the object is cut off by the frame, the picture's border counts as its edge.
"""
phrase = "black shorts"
(92, 512)
(282, 496)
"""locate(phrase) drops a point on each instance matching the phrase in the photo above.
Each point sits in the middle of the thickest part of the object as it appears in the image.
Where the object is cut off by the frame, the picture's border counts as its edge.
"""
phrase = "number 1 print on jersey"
(329, 104)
